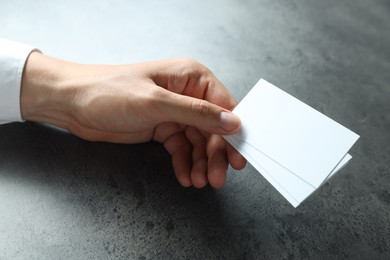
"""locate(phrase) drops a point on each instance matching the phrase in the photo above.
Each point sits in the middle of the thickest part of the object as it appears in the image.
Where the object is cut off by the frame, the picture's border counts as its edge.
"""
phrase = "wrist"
(44, 91)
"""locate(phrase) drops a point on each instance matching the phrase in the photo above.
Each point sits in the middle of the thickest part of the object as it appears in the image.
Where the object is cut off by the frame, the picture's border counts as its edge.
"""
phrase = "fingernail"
(229, 121)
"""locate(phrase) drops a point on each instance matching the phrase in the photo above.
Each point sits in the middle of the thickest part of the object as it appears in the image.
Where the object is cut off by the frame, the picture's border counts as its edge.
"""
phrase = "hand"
(177, 102)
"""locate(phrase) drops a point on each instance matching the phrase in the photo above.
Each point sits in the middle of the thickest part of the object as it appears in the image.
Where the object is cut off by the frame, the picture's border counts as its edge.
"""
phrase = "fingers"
(220, 154)
(236, 160)
(201, 114)
(188, 151)
(180, 150)
(199, 157)
(190, 78)
(217, 161)
(193, 96)
(196, 160)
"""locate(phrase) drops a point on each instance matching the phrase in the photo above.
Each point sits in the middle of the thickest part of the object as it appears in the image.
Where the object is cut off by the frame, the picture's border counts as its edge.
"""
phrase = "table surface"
(65, 198)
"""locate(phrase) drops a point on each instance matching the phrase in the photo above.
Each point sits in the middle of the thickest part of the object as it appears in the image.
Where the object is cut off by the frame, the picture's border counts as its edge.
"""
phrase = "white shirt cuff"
(13, 57)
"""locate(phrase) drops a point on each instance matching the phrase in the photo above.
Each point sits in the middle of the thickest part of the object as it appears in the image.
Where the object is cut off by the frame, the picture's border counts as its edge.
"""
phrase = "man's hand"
(178, 102)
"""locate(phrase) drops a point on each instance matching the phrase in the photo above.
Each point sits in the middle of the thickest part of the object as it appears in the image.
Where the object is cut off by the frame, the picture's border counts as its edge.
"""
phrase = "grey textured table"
(65, 198)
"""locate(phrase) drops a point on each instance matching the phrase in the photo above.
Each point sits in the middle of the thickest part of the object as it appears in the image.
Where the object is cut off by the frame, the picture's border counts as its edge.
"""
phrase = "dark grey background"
(64, 198)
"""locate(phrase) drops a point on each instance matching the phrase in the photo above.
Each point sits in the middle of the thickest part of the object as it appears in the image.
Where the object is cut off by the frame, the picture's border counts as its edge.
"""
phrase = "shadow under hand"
(103, 199)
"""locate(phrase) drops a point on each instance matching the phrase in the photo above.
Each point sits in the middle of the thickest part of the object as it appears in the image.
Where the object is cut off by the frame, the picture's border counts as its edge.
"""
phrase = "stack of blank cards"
(295, 147)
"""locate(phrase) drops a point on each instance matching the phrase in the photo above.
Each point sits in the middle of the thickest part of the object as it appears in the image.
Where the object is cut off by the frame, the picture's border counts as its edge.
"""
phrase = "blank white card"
(295, 147)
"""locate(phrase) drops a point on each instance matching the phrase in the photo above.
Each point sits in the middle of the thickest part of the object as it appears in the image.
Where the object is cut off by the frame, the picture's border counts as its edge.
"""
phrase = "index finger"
(191, 78)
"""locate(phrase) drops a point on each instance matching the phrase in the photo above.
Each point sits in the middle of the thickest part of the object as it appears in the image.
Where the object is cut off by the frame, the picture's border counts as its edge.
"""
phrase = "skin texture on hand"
(177, 102)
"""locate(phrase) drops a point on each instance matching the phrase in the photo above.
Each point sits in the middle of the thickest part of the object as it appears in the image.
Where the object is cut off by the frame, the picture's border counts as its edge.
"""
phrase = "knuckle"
(202, 108)
(194, 65)
(190, 62)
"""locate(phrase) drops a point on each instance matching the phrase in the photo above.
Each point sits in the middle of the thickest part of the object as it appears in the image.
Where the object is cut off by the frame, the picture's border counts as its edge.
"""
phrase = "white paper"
(295, 147)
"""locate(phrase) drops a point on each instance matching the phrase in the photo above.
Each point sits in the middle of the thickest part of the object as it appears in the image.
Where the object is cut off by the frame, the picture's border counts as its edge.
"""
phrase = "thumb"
(200, 114)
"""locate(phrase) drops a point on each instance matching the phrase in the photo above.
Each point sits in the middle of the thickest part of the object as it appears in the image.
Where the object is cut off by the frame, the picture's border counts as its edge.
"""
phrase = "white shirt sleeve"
(13, 57)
